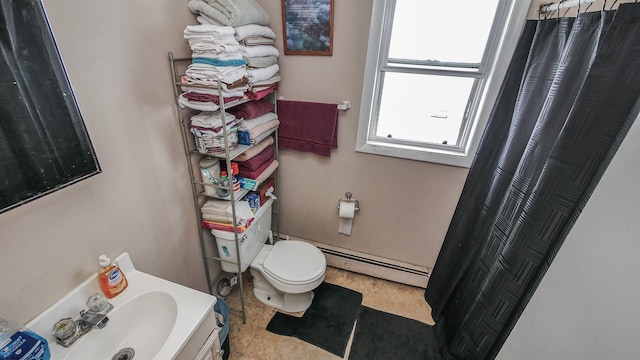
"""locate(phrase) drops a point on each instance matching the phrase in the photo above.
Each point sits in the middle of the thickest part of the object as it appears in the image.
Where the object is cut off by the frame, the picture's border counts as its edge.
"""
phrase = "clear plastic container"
(210, 170)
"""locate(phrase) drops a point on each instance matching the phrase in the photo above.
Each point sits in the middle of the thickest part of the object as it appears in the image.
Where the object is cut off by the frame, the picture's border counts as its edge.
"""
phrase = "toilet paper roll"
(347, 212)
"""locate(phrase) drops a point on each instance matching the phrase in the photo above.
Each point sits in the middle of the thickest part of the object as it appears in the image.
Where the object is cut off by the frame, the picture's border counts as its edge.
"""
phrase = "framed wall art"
(308, 27)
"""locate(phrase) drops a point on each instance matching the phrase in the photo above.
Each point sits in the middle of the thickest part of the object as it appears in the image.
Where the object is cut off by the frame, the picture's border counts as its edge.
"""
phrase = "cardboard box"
(262, 189)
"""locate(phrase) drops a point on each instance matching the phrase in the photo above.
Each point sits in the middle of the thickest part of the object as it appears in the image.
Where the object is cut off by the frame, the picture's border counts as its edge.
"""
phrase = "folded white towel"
(196, 105)
(231, 12)
(215, 48)
(220, 210)
(209, 29)
(211, 119)
(221, 56)
(228, 93)
(215, 39)
(257, 40)
(228, 74)
(262, 61)
(204, 19)
(252, 123)
(259, 74)
(245, 31)
(259, 50)
(214, 90)
(267, 82)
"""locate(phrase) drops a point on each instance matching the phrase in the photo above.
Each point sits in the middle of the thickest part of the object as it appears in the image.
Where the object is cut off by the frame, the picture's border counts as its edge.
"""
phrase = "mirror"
(44, 145)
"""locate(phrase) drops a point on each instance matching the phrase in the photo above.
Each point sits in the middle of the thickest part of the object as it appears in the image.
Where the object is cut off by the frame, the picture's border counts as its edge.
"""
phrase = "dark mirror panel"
(44, 145)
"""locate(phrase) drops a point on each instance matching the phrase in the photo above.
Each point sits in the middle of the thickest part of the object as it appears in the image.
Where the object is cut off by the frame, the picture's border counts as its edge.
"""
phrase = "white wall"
(587, 305)
(115, 53)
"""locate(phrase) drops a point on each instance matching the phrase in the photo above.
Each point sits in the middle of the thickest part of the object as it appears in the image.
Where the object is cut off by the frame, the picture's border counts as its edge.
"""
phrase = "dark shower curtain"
(568, 99)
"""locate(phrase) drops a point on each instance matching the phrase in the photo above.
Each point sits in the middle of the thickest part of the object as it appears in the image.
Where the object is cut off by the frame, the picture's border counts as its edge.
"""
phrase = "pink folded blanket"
(261, 129)
(257, 161)
(308, 127)
(255, 149)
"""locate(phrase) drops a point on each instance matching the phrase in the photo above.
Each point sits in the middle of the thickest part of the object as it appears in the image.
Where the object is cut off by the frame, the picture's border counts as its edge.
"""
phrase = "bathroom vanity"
(152, 319)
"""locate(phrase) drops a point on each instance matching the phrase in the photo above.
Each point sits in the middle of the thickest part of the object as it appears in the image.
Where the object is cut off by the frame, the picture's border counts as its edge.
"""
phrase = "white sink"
(143, 324)
(156, 318)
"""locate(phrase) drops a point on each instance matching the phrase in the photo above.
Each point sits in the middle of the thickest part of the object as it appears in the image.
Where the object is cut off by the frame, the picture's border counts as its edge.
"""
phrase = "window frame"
(503, 37)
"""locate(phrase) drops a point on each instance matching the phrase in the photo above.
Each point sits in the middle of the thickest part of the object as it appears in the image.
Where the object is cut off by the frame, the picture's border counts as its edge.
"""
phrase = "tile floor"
(252, 341)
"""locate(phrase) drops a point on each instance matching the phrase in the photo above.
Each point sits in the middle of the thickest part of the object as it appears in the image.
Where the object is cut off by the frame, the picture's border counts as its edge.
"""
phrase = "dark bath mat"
(382, 336)
(327, 323)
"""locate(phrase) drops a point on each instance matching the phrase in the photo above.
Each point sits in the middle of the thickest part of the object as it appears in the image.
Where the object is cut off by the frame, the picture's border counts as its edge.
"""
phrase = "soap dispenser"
(112, 279)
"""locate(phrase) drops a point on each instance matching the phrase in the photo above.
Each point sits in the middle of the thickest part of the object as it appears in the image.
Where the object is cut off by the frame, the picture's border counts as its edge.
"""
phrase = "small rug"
(327, 323)
(382, 336)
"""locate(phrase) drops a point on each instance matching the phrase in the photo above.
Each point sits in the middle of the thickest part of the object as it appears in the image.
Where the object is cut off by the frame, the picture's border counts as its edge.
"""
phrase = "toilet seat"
(293, 262)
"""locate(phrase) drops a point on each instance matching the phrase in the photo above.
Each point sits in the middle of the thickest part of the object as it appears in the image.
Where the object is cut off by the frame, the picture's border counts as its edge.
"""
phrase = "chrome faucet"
(67, 330)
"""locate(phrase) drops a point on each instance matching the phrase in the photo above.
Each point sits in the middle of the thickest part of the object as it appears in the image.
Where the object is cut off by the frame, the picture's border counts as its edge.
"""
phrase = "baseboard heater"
(371, 265)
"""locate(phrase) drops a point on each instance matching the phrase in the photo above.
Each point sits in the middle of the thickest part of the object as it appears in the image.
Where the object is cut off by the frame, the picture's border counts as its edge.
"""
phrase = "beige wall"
(115, 53)
(116, 56)
(405, 205)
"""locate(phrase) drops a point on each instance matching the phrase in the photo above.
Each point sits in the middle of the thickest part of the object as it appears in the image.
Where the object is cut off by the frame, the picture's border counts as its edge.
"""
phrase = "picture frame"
(307, 26)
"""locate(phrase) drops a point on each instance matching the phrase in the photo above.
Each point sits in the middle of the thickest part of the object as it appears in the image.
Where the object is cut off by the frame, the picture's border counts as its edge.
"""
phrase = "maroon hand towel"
(200, 97)
(308, 127)
(253, 174)
(257, 161)
(252, 109)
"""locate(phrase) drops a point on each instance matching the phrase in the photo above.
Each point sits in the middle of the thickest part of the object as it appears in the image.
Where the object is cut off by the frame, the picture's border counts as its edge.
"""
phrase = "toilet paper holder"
(348, 199)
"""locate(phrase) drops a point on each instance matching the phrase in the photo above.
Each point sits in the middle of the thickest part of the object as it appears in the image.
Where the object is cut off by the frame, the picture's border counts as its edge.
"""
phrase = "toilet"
(284, 274)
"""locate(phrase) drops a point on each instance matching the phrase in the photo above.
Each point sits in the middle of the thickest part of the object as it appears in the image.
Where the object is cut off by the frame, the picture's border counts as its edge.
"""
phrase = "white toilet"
(284, 274)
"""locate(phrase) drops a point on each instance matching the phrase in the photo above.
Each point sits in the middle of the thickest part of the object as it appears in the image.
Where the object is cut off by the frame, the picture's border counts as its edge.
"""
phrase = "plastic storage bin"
(222, 308)
(249, 242)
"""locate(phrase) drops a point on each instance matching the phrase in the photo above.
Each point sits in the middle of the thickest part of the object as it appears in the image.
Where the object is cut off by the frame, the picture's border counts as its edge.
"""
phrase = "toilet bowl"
(285, 274)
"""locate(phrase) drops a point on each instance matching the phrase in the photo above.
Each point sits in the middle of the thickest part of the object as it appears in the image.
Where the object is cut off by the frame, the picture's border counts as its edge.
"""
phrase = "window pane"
(443, 30)
(423, 108)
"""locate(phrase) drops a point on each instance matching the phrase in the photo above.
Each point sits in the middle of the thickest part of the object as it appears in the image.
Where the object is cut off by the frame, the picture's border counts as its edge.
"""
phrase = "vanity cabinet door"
(210, 350)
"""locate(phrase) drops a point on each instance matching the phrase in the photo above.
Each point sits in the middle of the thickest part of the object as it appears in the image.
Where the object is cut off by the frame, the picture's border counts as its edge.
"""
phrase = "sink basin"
(158, 319)
(143, 324)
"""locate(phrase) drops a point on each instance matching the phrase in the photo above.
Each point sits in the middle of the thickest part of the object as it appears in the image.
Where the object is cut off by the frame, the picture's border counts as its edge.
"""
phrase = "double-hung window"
(433, 70)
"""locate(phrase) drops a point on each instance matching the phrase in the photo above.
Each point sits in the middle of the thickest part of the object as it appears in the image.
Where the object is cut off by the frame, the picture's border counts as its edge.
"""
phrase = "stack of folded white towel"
(233, 48)
(256, 44)
(209, 123)
(220, 211)
(217, 56)
(254, 37)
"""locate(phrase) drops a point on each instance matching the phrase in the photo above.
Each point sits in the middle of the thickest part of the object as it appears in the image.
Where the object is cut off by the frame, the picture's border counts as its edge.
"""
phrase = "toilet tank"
(249, 242)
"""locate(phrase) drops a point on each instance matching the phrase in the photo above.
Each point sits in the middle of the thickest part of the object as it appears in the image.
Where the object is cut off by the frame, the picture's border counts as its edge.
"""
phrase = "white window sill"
(445, 157)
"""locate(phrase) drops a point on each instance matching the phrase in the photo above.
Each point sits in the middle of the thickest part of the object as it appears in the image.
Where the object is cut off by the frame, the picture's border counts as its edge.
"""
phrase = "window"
(433, 70)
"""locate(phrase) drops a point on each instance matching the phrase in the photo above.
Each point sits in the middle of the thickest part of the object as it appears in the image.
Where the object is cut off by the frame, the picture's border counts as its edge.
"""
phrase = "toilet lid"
(293, 261)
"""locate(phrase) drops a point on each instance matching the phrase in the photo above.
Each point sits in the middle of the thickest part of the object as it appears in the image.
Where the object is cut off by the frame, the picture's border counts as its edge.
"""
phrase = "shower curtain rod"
(549, 7)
